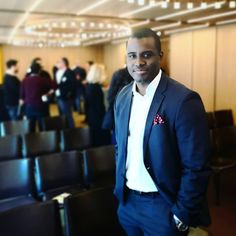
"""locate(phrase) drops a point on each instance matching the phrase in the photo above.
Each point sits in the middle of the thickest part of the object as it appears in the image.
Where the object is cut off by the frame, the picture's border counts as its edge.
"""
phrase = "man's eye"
(131, 56)
(147, 55)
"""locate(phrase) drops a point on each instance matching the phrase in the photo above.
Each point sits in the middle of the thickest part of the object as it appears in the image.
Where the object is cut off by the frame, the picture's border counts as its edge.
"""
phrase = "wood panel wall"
(210, 58)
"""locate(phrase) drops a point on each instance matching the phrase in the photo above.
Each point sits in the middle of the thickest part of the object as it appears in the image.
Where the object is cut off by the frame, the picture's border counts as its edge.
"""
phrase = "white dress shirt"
(137, 176)
(59, 75)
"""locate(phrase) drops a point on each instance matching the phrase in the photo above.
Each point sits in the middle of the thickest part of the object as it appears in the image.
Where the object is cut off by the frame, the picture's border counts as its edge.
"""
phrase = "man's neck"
(141, 88)
(10, 72)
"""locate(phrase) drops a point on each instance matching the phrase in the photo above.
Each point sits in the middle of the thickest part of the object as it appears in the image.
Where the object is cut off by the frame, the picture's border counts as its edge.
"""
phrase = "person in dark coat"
(11, 88)
(95, 108)
(80, 75)
(66, 89)
(119, 79)
(3, 111)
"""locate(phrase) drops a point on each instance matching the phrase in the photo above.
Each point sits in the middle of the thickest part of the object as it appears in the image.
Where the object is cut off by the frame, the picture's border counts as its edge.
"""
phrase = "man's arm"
(193, 143)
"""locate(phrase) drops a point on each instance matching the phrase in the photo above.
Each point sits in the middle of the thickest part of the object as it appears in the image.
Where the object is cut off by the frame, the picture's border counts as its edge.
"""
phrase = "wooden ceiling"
(85, 22)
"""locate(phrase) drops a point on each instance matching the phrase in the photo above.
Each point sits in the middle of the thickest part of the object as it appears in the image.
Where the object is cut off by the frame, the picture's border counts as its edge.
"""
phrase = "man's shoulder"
(124, 92)
(177, 90)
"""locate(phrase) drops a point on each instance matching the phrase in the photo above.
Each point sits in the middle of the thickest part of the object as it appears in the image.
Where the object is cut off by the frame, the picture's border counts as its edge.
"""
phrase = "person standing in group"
(95, 107)
(80, 75)
(66, 89)
(44, 74)
(11, 88)
(162, 147)
(33, 89)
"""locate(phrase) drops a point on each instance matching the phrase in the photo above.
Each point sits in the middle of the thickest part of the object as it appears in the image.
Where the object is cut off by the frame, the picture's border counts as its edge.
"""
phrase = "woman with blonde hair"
(95, 108)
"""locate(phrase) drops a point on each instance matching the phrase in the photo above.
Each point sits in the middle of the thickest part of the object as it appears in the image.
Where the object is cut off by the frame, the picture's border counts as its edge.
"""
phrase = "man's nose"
(140, 62)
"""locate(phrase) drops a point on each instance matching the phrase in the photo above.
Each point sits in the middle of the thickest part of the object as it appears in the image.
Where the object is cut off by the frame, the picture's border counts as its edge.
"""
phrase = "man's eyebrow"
(148, 51)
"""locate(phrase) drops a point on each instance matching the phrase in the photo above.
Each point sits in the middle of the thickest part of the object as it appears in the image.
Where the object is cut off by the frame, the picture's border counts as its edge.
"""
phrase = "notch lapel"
(155, 106)
(126, 114)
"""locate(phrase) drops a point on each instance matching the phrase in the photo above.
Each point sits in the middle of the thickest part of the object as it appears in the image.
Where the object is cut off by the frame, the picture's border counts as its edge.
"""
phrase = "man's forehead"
(145, 43)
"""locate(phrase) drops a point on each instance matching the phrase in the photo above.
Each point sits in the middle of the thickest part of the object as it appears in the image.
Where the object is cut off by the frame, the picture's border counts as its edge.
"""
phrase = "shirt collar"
(151, 88)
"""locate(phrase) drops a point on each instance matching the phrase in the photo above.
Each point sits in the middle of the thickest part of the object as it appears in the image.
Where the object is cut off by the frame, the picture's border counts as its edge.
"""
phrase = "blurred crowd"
(79, 89)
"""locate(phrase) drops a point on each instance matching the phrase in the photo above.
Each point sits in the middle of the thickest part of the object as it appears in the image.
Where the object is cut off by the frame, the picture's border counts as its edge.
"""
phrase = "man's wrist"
(179, 224)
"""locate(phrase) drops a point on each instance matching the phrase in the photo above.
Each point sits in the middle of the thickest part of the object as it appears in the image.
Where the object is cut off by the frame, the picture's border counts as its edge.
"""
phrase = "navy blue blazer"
(175, 150)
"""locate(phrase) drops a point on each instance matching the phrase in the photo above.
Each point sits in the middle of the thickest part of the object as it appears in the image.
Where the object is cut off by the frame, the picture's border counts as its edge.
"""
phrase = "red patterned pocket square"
(158, 120)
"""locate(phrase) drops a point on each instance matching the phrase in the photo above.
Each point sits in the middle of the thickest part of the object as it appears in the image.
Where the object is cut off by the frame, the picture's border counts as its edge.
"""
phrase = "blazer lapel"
(155, 106)
(126, 116)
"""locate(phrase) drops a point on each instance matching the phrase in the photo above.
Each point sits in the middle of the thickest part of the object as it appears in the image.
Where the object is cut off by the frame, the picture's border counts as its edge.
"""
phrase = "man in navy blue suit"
(162, 147)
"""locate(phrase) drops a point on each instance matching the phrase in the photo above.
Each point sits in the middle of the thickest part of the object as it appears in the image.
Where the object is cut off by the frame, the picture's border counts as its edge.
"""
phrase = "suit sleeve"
(193, 142)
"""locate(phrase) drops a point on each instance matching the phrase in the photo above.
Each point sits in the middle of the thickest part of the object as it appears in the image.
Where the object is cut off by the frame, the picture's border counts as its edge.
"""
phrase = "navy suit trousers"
(147, 215)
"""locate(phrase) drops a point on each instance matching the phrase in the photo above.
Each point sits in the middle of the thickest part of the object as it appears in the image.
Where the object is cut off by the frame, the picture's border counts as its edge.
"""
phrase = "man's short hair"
(145, 33)
(10, 63)
(65, 61)
(35, 68)
(35, 60)
(90, 63)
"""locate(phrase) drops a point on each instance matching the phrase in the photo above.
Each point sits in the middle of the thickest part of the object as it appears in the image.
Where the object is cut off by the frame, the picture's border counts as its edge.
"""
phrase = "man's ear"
(161, 54)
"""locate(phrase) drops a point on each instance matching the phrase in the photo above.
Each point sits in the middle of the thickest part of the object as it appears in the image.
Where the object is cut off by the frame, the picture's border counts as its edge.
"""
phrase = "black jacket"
(11, 86)
(67, 86)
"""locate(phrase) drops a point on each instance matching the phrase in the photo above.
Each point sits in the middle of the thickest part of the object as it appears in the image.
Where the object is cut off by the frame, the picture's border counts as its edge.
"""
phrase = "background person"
(66, 89)
(11, 88)
(33, 88)
(95, 108)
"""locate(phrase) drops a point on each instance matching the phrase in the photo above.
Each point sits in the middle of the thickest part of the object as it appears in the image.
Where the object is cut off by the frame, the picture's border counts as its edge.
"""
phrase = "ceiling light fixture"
(91, 7)
(168, 32)
(190, 5)
(232, 4)
(211, 17)
(145, 8)
(167, 26)
(217, 5)
(152, 2)
(164, 4)
(141, 23)
(177, 5)
(203, 5)
(98, 41)
(23, 18)
(224, 22)
(185, 12)
(141, 2)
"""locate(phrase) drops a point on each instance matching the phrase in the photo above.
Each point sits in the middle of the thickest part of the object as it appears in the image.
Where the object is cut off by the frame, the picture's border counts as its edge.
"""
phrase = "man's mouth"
(140, 72)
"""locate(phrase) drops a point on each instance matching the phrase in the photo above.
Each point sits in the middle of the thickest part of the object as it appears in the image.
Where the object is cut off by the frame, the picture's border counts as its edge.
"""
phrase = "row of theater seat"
(45, 142)
(26, 181)
(223, 154)
(220, 118)
(86, 214)
(26, 126)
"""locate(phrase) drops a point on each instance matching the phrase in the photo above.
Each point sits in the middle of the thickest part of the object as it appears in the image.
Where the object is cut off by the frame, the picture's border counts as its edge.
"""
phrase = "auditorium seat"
(40, 143)
(16, 127)
(58, 173)
(10, 147)
(99, 166)
(211, 120)
(224, 118)
(16, 184)
(38, 219)
(54, 123)
(93, 212)
(75, 139)
(223, 155)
